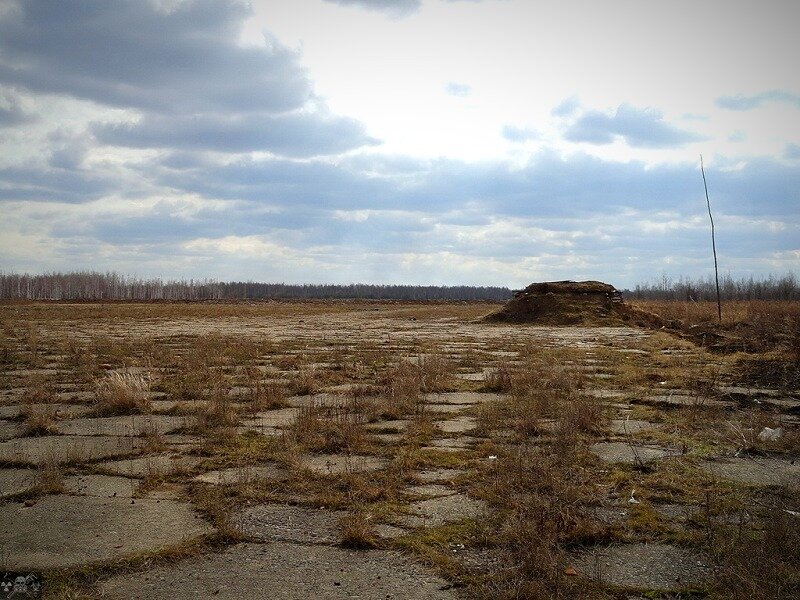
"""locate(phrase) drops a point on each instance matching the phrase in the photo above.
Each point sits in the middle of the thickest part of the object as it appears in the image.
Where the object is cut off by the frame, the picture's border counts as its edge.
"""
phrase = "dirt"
(567, 303)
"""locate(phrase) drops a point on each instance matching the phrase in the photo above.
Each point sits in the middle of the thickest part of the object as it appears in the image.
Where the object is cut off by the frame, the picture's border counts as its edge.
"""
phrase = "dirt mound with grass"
(570, 303)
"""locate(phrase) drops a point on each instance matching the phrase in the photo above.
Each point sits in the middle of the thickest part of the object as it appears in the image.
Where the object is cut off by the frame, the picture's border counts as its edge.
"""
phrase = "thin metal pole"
(713, 241)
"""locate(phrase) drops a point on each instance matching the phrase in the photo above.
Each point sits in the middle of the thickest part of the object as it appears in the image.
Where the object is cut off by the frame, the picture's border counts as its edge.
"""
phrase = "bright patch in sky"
(399, 141)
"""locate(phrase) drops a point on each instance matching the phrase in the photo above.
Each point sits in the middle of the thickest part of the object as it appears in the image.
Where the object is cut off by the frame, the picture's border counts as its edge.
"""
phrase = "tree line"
(90, 285)
(773, 287)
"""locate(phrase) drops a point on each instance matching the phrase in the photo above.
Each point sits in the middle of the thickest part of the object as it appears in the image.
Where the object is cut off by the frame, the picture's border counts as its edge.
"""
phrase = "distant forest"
(783, 287)
(112, 286)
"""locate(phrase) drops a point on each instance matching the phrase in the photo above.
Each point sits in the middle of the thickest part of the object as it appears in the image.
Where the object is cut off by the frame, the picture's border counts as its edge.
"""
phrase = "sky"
(449, 142)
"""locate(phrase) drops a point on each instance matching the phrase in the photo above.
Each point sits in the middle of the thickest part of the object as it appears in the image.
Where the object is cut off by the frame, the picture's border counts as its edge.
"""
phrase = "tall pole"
(713, 241)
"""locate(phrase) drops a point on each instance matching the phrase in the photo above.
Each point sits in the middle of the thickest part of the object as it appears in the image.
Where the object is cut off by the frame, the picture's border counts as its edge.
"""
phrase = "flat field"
(397, 450)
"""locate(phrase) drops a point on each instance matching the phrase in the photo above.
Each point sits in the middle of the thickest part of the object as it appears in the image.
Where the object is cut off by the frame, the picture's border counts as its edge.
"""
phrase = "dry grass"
(264, 395)
(538, 499)
(752, 325)
(49, 478)
(122, 394)
(402, 389)
(305, 381)
(499, 379)
(357, 531)
(39, 420)
(329, 430)
(758, 563)
(543, 484)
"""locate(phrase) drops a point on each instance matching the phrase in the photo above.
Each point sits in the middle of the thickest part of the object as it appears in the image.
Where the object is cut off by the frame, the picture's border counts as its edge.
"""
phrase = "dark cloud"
(12, 113)
(297, 134)
(395, 8)
(57, 185)
(549, 187)
(459, 90)
(639, 128)
(518, 134)
(742, 102)
(133, 54)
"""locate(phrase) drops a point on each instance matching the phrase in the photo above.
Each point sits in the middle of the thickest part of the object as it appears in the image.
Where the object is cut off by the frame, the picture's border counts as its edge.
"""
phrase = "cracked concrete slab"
(623, 453)
(445, 509)
(244, 474)
(16, 481)
(143, 466)
(67, 448)
(283, 522)
(659, 567)
(287, 571)
(129, 425)
(67, 531)
(338, 464)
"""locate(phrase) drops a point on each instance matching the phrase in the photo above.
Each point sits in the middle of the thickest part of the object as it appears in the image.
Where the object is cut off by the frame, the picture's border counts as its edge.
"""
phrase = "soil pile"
(568, 303)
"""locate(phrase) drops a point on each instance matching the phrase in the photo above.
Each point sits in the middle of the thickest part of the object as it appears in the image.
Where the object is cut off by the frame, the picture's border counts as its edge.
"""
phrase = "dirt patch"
(569, 303)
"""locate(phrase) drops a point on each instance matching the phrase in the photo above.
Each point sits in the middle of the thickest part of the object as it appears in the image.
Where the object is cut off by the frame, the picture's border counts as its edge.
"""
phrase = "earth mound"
(567, 303)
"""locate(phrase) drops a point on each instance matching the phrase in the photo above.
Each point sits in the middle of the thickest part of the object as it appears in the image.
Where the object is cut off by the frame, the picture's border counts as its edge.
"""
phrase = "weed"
(122, 394)
(329, 429)
(39, 420)
(357, 531)
(49, 478)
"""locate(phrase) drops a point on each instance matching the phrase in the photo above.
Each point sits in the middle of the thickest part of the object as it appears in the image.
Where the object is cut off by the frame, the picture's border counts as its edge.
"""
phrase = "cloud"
(296, 135)
(566, 108)
(459, 90)
(386, 218)
(181, 67)
(742, 102)
(134, 54)
(792, 152)
(12, 113)
(395, 8)
(640, 128)
(38, 183)
(518, 134)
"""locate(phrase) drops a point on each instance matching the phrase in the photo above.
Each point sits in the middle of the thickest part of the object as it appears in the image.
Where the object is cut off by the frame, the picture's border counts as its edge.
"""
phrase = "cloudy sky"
(493, 142)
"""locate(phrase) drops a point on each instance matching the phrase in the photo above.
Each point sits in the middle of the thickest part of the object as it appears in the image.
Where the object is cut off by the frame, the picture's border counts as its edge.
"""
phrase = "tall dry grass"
(122, 394)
